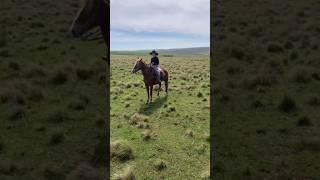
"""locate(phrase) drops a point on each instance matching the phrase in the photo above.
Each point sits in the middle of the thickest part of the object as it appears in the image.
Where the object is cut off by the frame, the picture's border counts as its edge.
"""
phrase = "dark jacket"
(155, 60)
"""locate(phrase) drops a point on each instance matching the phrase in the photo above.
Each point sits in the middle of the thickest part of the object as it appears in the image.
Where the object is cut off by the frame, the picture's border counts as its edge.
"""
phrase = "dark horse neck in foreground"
(149, 77)
(94, 13)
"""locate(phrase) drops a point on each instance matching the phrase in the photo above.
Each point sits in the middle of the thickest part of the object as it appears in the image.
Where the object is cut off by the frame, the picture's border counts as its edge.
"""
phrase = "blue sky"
(159, 24)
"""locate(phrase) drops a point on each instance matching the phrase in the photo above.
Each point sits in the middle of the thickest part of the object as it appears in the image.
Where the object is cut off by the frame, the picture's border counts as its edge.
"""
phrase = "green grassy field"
(52, 100)
(266, 89)
(169, 138)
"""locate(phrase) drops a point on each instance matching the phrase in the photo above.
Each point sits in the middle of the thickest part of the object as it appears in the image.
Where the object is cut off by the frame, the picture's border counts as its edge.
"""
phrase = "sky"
(159, 24)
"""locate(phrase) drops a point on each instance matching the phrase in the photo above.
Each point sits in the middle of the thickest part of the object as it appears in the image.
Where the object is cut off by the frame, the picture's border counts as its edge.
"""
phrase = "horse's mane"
(84, 2)
(143, 61)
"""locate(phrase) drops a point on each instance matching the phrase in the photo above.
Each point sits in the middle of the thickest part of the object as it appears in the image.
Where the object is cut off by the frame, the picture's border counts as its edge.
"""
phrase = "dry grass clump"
(59, 78)
(14, 66)
(56, 116)
(84, 171)
(34, 72)
(260, 80)
(234, 68)
(20, 99)
(301, 75)
(128, 86)
(127, 174)
(314, 101)
(257, 104)
(143, 125)
(78, 104)
(304, 121)
(3, 39)
(35, 95)
(84, 74)
(56, 137)
(39, 127)
(294, 55)
(126, 116)
(36, 25)
(171, 109)
(127, 98)
(99, 156)
(135, 84)
(312, 144)
(16, 113)
(52, 172)
(159, 164)
(205, 175)
(207, 137)
(146, 135)
(8, 167)
(100, 122)
(288, 45)
(201, 148)
(2, 146)
(11, 95)
(199, 94)
(274, 48)
(42, 47)
(4, 53)
(189, 133)
(120, 150)
(237, 53)
(287, 104)
(136, 117)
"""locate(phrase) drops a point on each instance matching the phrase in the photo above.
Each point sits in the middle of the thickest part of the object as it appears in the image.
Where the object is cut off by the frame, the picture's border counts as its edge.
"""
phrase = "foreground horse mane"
(83, 2)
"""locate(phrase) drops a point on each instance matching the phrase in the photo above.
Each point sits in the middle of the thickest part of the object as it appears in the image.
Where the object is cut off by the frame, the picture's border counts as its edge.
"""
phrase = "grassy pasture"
(52, 105)
(169, 138)
(266, 89)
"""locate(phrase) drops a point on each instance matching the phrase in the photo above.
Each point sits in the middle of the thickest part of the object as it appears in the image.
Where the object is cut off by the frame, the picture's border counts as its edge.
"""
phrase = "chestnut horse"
(94, 13)
(149, 76)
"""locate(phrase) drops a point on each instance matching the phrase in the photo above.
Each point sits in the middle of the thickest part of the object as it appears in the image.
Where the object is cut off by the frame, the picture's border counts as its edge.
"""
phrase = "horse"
(93, 13)
(149, 76)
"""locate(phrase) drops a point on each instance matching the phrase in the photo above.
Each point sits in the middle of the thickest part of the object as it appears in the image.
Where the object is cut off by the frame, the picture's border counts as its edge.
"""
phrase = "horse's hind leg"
(151, 88)
(147, 93)
(159, 88)
(166, 84)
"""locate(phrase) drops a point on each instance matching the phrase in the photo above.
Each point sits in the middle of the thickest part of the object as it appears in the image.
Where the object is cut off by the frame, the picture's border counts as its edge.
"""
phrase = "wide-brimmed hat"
(154, 52)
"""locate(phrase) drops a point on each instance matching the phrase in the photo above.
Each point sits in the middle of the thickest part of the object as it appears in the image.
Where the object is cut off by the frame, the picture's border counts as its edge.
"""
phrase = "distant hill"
(178, 51)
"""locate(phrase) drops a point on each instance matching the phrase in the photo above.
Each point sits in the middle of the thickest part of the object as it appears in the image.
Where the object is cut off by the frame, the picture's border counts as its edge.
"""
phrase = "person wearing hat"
(155, 63)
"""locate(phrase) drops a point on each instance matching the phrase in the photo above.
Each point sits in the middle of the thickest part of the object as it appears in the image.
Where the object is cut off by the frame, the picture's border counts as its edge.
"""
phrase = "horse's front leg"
(151, 88)
(147, 88)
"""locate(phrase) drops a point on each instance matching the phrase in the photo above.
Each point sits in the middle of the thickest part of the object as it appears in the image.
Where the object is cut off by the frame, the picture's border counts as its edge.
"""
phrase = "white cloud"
(191, 17)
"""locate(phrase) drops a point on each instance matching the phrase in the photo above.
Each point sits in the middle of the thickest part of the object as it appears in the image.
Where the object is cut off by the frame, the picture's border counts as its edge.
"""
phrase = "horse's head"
(138, 65)
(90, 15)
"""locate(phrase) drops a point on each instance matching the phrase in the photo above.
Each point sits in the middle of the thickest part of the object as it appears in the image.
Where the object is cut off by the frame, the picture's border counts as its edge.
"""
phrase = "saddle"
(155, 73)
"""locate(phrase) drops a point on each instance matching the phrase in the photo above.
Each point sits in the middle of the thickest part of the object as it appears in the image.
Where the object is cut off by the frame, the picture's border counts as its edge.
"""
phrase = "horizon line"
(158, 49)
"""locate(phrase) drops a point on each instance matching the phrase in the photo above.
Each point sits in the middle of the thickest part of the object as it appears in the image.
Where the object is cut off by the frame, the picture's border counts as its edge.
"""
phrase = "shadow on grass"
(148, 109)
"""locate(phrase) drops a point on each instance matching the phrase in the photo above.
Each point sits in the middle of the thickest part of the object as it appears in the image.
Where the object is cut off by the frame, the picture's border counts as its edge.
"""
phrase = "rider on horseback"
(155, 64)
